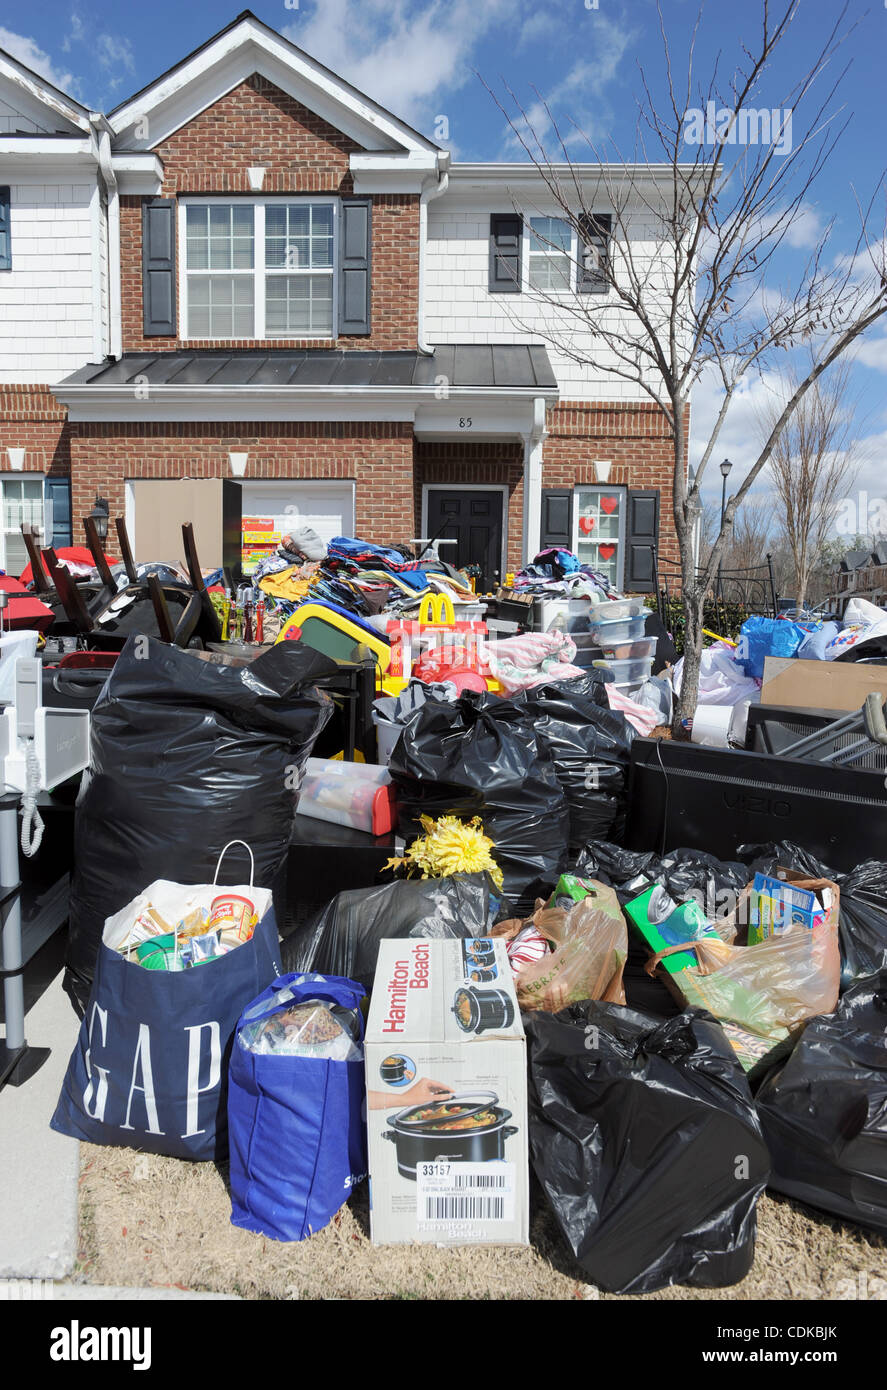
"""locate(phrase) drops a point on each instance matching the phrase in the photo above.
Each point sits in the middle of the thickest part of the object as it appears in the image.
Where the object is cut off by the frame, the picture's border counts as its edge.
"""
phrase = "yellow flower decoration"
(450, 846)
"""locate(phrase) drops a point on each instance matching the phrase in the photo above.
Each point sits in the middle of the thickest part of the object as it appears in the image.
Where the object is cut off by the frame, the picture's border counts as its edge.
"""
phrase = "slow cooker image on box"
(392, 1069)
(469, 1128)
(476, 1010)
(477, 953)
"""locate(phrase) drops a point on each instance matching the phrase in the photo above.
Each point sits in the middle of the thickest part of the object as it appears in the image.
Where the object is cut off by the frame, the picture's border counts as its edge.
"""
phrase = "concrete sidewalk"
(39, 1169)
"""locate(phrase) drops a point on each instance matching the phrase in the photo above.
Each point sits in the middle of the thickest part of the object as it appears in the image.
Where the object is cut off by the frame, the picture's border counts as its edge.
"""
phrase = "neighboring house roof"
(244, 47)
(879, 554)
(517, 367)
(856, 559)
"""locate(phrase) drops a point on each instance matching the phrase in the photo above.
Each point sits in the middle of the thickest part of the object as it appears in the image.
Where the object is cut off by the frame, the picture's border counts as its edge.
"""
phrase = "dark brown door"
(474, 521)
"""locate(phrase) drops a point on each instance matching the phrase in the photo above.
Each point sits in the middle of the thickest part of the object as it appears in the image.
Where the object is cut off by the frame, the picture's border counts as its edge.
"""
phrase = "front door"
(473, 519)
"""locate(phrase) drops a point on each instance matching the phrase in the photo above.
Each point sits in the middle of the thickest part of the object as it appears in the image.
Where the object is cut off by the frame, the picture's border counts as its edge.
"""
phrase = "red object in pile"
(23, 610)
(80, 554)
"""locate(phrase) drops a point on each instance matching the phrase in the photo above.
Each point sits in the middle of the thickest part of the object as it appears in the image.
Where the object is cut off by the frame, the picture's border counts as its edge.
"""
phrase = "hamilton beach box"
(446, 1096)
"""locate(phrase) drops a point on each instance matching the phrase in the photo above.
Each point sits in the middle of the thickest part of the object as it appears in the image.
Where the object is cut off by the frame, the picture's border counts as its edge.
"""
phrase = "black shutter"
(5, 234)
(506, 237)
(641, 542)
(355, 243)
(594, 252)
(58, 492)
(557, 518)
(159, 267)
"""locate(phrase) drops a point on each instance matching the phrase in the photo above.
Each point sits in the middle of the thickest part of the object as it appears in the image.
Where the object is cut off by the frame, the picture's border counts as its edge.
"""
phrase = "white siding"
(460, 309)
(13, 120)
(46, 299)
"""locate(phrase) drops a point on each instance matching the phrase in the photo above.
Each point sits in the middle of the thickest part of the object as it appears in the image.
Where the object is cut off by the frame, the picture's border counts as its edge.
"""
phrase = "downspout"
(115, 346)
(433, 191)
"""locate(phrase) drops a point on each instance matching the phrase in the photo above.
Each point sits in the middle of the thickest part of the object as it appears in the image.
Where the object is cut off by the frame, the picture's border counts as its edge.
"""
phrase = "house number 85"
(465, 422)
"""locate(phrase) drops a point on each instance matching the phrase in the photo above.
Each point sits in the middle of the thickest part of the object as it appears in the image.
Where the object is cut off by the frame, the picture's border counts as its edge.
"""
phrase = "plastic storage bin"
(617, 608)
(359, 795)
(629, 651)
(629, 672)
(621, 630)
(575, 612)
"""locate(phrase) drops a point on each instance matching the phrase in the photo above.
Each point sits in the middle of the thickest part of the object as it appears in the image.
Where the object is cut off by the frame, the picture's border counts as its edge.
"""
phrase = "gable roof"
(245, 46)
(38, 102)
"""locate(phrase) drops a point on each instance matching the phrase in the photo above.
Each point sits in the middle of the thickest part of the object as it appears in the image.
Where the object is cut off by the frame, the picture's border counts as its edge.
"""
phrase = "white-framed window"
(258, 268)
(599, 520)
(550, 254)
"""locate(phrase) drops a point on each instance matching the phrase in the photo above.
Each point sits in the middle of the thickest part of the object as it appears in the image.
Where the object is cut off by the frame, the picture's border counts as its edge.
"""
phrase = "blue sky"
(427, 59)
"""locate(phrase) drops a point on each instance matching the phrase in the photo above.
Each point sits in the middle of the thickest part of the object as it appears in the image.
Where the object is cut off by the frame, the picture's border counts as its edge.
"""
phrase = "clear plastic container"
(629, 672)
(622, 630)
(617, 608)
(629, 651)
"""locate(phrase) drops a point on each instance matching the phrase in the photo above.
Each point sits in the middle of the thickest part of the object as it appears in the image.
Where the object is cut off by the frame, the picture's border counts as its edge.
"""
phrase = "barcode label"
(464, 1193)
(464, 1209)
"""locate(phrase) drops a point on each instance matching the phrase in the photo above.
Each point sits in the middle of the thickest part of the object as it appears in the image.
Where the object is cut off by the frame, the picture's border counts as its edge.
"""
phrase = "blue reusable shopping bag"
(760, 637)
(297, 1125)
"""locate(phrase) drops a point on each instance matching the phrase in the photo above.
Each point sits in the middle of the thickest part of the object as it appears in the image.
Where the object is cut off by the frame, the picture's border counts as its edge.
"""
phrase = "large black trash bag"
(344, 938)
(824, 1111)
(589, 747)
(477, 756)
(685, 873)
(186, 755)
(862, 917)
(644, 1136)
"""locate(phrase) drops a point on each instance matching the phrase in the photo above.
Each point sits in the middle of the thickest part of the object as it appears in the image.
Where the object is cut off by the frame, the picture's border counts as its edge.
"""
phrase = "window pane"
(219, 237)
(299, 305)
(220, 306)
(550, 246)
(298, 236)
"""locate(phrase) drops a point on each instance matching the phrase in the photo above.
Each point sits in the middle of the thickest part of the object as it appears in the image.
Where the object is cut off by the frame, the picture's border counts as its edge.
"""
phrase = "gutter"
(433, 191)
(101, 132)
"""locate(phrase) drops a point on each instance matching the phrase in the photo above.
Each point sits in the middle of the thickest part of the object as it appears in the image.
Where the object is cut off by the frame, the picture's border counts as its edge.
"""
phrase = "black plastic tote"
(150, 1067)
(644, 1136)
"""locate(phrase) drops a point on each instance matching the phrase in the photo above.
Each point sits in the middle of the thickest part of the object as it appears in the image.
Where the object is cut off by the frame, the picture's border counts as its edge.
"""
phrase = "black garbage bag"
(824, 1111)
(644, 1136)
(186, 755)
(344, 938)
(589, 747)
(862, 917)
(477, 756)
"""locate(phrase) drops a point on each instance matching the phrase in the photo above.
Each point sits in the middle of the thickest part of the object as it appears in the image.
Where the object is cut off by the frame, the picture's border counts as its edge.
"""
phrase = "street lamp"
(725, 469)
(100, 514)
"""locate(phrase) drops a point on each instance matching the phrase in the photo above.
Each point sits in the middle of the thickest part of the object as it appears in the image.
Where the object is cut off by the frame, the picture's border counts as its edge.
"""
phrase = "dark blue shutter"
(594, 252)
(58, 492)
(557, 518)
(355, 243)
(506, 238)
(159, 267)
(641, 542)
(5, 236)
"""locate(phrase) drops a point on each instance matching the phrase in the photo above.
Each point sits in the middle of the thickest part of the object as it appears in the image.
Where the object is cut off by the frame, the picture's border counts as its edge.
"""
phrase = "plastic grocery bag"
(760, 637)
(589, 748)
(589, 947)
(150, 1067)
(762, 994)
(344, 938)
(862, 917)
(186, 755)
(824, 1111)
(644, 1136)
(296, 1123)
(478, 757)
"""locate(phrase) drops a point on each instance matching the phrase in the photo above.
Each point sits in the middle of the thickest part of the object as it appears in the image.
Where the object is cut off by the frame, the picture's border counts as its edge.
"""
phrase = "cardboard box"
(464, 1186)
(830, 685)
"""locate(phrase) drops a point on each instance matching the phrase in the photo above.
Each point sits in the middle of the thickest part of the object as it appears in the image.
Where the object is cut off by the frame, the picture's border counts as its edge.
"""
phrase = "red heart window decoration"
(609, 505)
(607, 552)
(586, 524)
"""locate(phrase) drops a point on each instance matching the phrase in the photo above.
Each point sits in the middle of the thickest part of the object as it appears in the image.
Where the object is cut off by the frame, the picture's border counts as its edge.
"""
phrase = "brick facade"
(32, 419)
(257, 124)
(378, 457)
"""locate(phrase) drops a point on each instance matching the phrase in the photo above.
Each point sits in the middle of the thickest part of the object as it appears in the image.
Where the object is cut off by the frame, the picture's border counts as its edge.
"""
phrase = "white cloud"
(407, 61)
(872, 352)
(26, 51)
(114, 52)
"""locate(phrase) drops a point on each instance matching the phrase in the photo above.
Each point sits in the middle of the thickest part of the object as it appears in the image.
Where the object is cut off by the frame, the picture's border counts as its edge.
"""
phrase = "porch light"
(100, 515)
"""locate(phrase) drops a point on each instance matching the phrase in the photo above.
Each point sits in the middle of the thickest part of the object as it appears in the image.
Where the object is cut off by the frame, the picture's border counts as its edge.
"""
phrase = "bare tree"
(753, 534)
(690, 250)
(814, 461)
